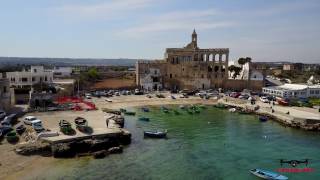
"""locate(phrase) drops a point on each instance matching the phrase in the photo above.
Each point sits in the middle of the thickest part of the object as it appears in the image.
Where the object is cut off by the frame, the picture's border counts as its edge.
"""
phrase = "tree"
(93, 74)
(235, 69)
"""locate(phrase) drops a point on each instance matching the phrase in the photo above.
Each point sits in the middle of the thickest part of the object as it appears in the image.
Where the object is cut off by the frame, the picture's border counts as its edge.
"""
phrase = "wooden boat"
(155, 134)
(164, 109)
(232, 110)
(81, 123)
(144, 109)
(176, 112)
(65, 127)
(144, 119)
(263, 118)
(123, 110)
(267, 174)
(202, 106)
(130, 113)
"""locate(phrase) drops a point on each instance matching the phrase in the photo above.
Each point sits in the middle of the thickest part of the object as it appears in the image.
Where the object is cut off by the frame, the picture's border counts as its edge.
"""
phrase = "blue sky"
(266, 30)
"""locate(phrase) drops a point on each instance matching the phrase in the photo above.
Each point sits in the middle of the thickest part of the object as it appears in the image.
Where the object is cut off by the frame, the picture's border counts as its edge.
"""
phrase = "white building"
(293, 91)
(60, 72)
(30, 77)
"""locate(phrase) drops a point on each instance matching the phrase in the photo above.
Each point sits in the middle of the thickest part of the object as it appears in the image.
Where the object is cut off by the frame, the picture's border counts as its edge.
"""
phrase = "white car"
(108, 100)
(88, 95)
(30, 120)
(264, 99)
(37, 125)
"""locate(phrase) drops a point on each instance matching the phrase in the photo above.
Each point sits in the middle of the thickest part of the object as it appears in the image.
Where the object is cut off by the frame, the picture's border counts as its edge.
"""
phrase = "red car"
(235, 94)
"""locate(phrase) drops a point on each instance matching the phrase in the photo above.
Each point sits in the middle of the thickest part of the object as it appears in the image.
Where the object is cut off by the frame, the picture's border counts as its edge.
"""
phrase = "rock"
(115, 150)
(62, 150)
(125, 137)
(100, 154)
(33, 149)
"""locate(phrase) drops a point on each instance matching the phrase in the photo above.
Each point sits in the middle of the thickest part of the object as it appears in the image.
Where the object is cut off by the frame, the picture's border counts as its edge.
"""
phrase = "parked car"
(10, 119)
(235, 94)
(4, 130)
(2, 114)
(264, 99)
(183, 95)
(138, 92)
(37, 125)
(244, 96)
(88, 96)
(29, 119)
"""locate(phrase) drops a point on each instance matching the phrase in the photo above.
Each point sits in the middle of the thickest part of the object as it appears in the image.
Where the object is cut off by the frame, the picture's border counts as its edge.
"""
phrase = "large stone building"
(193, 68)
(188, 68)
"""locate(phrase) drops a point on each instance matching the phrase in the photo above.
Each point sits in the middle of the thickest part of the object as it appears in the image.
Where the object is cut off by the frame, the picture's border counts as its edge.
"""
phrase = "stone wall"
(233, 84)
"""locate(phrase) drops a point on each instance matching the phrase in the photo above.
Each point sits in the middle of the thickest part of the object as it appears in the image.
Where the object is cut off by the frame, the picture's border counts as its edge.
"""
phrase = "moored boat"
(145, 109)
(155, 134)
(267, 174)
(65, 127)
(144, 119)
(130, 113)
(263, 118)
(81, 123)
(123, 110)
(176, 112)
(232, 110)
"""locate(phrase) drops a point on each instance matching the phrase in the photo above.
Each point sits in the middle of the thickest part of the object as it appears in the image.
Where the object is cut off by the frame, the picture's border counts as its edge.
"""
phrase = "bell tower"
(194, 38)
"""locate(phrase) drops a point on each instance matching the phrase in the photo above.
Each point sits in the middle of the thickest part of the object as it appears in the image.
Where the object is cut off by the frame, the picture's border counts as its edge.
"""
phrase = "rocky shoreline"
(287, 121)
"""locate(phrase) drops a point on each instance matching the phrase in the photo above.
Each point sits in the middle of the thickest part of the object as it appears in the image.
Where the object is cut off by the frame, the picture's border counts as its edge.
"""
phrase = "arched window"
(211, 57)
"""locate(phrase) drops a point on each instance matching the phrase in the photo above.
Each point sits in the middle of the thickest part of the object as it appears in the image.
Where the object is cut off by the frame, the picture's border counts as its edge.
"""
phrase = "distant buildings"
(193, 68)
(27, 78)
(62, 72)
(293, 91)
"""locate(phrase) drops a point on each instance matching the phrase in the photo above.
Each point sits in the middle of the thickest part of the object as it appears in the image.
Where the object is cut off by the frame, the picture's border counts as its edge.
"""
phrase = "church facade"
(185, 68)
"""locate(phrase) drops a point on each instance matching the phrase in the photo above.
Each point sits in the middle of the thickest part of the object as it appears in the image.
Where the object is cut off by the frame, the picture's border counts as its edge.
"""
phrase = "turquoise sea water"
(214, 144)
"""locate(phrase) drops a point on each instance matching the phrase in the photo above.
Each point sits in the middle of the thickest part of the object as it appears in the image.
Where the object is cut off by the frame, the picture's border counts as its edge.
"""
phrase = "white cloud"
(178, 20)
(103, 9)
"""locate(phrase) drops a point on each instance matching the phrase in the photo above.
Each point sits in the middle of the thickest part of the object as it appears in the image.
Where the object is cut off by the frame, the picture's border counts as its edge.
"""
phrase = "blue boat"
(267, 174)
(144, 109)
(263, 118)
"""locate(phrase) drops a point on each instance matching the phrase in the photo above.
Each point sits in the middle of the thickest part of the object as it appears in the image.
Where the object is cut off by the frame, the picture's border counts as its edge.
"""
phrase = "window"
(311, 91)
(33, 79)
(4, 89)
(34, 70)
(24, 79)
(170, 76)
(155, 71)
(45, 78)
(202, 76)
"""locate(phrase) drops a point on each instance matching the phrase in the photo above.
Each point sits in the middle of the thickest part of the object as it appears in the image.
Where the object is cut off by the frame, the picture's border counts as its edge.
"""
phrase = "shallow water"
(214, 144)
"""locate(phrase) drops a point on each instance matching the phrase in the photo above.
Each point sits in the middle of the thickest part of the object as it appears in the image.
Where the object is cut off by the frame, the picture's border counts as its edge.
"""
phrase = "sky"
(266, 30)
